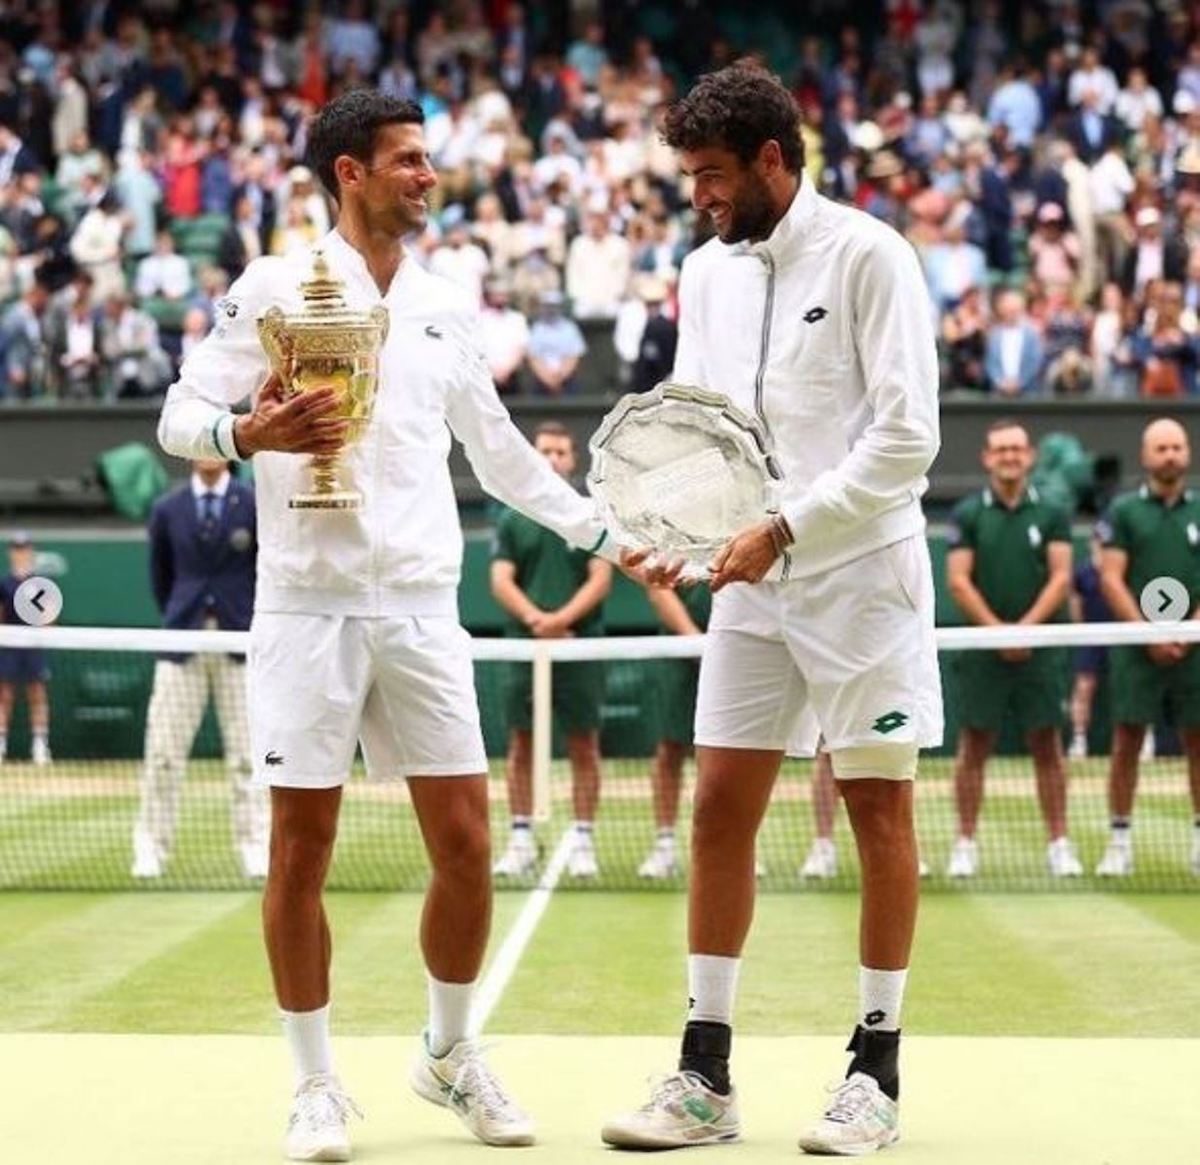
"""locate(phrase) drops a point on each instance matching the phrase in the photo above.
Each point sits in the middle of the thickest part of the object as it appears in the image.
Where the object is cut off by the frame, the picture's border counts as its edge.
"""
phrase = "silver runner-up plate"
(680, 470)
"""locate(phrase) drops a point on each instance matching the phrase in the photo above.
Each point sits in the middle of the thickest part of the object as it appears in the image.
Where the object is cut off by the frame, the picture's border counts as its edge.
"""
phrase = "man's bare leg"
(1045, 748)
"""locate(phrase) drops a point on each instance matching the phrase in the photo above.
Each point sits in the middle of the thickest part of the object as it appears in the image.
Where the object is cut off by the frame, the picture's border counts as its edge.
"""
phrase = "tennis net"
(72, 821)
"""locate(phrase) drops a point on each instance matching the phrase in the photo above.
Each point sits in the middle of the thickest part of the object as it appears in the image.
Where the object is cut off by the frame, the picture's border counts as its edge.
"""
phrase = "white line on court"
(509, 955)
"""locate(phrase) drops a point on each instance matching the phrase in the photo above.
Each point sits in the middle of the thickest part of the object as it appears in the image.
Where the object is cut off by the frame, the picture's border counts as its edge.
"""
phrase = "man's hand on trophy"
(650, 569)
(305, 423)
(749, 555)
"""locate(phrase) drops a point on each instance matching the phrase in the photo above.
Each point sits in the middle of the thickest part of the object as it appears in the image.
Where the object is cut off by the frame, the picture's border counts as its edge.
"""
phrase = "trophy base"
(341, 499)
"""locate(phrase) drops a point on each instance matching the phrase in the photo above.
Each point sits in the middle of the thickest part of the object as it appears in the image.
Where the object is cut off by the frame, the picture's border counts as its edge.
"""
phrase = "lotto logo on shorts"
(889, 722)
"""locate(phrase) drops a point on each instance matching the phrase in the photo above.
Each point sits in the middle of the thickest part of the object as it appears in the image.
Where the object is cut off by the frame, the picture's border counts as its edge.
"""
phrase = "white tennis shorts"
(856, 644)
(319, 684)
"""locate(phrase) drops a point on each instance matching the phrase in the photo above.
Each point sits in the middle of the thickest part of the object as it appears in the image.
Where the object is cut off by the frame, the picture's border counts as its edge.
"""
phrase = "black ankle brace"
(705, 1051)
(877, 1054)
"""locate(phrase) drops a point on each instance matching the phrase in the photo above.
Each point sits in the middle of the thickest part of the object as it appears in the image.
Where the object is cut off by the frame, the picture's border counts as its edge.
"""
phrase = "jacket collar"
(793, 230)
(349, 263)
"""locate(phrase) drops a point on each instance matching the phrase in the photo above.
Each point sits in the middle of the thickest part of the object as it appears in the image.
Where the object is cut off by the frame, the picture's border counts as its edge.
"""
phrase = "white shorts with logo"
(855, 644)
(319, 684)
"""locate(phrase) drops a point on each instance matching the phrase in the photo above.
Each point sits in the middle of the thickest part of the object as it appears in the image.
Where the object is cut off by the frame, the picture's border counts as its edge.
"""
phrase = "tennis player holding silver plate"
(680, 470)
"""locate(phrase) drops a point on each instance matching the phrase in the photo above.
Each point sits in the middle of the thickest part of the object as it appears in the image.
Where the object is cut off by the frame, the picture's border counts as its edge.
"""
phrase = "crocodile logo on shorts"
(889, 722)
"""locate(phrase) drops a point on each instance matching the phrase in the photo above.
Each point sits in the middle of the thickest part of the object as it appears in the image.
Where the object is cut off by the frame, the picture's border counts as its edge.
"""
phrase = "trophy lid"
(325, 308)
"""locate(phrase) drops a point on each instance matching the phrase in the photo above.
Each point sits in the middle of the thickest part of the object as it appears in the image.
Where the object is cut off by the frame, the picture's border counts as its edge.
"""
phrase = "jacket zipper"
(760, 376)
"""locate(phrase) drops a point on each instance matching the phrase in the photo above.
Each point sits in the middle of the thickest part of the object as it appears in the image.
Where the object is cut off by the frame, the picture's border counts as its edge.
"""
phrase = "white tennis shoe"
(462, 1082)
(682, 1111)
(581, 862)
(519, 858)
(860, 1119)
(659, 863)
(964, 859)
(1062, 860)
(317, 1128)
(1117, 861)
(821, 861)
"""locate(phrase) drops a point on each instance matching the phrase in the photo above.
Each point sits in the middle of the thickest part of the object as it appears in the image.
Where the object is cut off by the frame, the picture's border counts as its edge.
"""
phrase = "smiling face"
(736, 196)
(1008, 456)
(390, 192)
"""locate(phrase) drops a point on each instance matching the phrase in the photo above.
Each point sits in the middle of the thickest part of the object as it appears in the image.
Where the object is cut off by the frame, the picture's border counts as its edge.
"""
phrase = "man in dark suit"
(203, 549)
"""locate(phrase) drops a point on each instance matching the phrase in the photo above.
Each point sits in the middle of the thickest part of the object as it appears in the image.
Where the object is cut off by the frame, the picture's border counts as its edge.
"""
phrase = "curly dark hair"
(348, 125)
(737, 108)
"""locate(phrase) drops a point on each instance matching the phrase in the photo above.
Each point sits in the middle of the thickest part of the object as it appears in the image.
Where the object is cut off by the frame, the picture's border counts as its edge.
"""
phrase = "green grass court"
(1043, 1027)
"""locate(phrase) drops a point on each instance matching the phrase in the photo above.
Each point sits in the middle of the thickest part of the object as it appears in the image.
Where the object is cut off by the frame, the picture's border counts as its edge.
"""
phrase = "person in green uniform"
(682, 612)
(551, 591)
(1150, 534)
(1010, 563)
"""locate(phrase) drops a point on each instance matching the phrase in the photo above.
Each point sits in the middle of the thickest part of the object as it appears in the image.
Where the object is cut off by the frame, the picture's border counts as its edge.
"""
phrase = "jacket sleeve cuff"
(222, 438)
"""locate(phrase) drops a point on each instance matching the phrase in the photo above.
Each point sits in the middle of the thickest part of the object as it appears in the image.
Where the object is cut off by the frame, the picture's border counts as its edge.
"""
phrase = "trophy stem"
(327, 493)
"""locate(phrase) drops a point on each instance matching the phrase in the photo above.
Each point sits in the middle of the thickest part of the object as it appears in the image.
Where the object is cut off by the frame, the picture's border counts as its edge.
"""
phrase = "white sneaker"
(964, 859)
(1196, 852)
(682, 1110)
(255, 860)
(147, 861)
(40, 752)
(860, 1119)
(581, 862)
(1062, 860)
(1077, 749)
(1117, 861)
(461, 1080)
(660, 863)
(520, 858)
(821, 861)
(317, 1127)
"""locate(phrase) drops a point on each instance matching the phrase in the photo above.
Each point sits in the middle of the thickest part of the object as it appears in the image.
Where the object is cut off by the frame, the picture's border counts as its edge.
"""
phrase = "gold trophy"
(327, 344)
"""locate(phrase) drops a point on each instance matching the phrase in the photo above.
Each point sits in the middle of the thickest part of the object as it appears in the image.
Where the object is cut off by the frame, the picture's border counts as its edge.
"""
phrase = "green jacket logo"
(889, 722)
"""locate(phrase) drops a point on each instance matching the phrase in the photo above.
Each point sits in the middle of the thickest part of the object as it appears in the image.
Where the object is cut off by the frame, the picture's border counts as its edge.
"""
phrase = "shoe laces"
(852, 1101)
(319, 1098)
(667, 1089)
(475, 1080)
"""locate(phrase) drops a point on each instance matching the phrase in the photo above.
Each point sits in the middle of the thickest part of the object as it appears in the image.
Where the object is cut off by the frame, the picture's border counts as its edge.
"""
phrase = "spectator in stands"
(551, 591)
(1013, 361)
(1091, 130)
(954, 265)
(26, 667)
(165, 274)
(457, 258)
(1111, 184)
(196, 326)
(681, 612)
(22, 365)
(1152, 255)
(139, 195)
(504, 332)
(203, 548)
(660, 336)
(1137, 101)
(240, 242)
(96, 246)
(1010, 563)
(1053, 250)
(1088, 605)
(1151, 533)
(295, 232)
(556, 346)
(1015, 106)
(1165, 355)
(1065, 333)
(80, 160)
(73, 342)
(1108, 328)
(964, 340)
(134, 363)
(598, 269)
(15, 156)
(588, 56)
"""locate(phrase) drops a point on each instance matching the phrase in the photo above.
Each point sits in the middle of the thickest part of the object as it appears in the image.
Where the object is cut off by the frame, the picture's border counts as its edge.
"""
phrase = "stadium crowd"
(1043, 158)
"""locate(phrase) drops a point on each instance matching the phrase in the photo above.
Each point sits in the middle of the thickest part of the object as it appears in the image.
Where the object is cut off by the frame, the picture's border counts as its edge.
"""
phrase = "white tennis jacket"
(401, 554)
(823, 331)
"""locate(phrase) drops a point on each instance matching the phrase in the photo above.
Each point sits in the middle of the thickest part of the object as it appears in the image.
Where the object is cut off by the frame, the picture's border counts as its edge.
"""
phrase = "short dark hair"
(737, 108)
(349, 124)
(554, 429)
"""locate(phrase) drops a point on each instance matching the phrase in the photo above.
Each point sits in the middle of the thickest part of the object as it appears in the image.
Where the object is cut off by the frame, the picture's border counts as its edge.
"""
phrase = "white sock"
(712, 984)
(449, 1014)
(308, 1039)
(880, 994)
(665, 839)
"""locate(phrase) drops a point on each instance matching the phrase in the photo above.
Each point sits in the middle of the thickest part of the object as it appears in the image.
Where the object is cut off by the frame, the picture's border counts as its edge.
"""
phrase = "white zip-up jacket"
(823, 332)
(401, 554)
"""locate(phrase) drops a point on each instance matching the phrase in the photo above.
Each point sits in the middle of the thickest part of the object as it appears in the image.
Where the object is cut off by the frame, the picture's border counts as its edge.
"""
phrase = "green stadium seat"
(167, 313)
